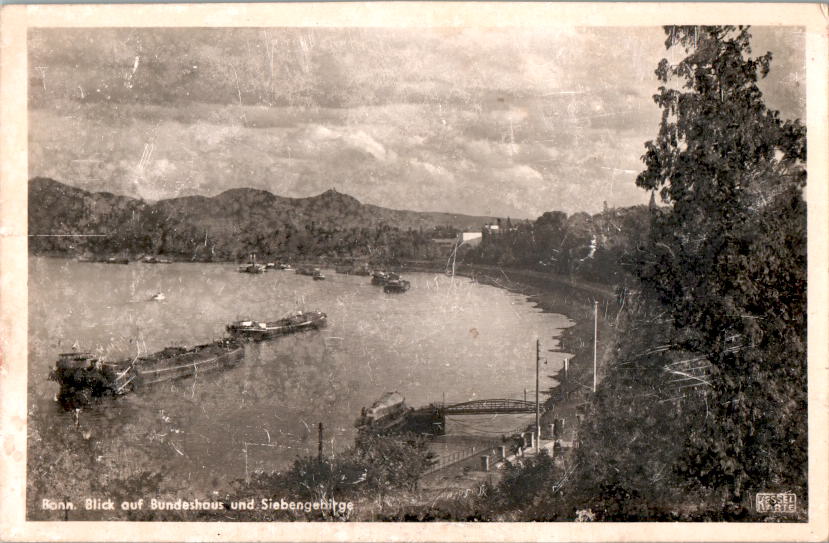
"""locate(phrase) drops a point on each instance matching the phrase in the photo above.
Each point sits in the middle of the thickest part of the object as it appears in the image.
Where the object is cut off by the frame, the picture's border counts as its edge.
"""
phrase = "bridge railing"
(466, 453)
(489, 406)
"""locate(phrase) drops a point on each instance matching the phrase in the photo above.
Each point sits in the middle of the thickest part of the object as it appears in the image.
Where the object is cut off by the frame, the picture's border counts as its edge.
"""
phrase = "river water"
(445, 336)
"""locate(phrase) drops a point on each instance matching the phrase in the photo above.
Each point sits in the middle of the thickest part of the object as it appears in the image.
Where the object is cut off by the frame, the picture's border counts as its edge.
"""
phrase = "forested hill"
(227, 225)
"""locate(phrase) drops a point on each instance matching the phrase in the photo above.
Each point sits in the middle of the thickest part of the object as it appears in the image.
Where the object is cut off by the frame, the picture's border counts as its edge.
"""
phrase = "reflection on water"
(445, 336)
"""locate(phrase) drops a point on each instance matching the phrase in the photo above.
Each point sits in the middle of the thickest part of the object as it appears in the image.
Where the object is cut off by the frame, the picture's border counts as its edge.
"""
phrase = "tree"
(727, 256)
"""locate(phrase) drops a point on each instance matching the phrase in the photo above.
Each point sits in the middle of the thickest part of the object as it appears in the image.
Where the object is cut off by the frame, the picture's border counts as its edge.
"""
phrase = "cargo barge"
(259, 330)
(83, 376)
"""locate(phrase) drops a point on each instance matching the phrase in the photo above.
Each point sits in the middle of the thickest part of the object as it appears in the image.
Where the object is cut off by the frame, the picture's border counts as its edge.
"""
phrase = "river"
(445, 336)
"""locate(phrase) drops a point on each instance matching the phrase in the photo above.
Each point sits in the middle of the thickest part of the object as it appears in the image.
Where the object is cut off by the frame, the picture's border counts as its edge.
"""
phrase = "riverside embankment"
(568, 400)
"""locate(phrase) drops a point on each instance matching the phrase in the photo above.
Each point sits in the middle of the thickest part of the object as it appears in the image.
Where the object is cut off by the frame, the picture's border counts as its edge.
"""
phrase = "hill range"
(58, 208)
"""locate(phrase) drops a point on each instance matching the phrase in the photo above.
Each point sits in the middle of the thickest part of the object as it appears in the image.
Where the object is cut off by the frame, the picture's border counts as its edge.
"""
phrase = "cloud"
(499, 121)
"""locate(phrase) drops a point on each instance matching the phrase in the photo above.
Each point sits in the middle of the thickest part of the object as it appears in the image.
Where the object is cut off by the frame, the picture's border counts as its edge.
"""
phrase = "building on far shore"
(470, 238)
(467, 239)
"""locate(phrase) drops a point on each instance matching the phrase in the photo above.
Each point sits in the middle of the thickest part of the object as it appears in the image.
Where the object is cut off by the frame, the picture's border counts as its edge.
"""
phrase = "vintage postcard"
(430, 271)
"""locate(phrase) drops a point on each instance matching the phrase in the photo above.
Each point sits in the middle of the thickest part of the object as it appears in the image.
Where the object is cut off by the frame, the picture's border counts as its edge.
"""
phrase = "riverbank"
(451, 494)
(577, 301)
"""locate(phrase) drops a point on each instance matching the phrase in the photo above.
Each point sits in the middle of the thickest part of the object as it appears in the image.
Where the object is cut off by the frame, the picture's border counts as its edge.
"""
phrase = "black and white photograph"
(457, 273)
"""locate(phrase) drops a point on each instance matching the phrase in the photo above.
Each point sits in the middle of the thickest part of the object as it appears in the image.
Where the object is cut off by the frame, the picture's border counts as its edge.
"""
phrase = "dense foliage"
(728, 258)
(375, 466)
(590, 247)
(718, 278)
(69, 221)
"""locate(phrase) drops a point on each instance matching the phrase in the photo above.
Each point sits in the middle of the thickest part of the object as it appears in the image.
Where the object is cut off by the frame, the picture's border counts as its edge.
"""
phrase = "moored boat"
(82, 375)
(379, 278)
(385, 414)
(298, 322)
(396, 285)
(179, 362)
(156, 260)
(252, 266)
(104, 259)
(318, 276)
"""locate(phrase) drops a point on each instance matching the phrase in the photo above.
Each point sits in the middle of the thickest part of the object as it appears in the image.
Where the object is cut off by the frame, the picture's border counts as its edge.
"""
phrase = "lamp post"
(537, 403)
(595, 340)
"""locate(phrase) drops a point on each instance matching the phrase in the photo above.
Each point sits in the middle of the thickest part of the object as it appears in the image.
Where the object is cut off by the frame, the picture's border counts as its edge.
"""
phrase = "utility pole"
(595, 341)
(537, 403)
(319, 450)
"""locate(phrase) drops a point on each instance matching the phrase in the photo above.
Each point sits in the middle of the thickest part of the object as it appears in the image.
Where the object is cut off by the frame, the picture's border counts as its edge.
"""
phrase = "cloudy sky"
(506, 122)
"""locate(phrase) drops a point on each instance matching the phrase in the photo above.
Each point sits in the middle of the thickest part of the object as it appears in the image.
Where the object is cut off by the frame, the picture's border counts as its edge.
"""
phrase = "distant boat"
(155, 260)
(318, 276)
(105, 260)
(297, 322)
(396, 286)
(159, 297)
(379, 278)
(252, 266)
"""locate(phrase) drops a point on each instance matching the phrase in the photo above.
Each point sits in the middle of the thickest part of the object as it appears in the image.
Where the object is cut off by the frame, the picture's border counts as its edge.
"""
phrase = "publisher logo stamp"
(781, 502)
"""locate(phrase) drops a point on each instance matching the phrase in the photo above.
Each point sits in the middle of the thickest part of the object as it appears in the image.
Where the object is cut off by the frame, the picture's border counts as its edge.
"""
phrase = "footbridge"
(487, 407)
(432, 418)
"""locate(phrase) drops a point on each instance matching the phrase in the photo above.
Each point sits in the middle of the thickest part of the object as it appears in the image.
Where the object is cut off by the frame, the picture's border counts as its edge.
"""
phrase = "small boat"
(318, 276)
(104, 259)
(385, 414)
(298, 322)
(396, 285)
(270, 266)
(83, 376)
(252, 266)
(155, 260)
(379, 278)
(159, 297)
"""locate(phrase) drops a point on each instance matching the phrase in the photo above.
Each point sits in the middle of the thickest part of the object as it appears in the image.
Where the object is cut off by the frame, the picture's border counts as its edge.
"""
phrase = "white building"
(470, 238)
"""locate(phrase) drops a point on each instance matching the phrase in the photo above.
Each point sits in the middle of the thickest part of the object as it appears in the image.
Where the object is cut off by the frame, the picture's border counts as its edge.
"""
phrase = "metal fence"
(466, 453)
